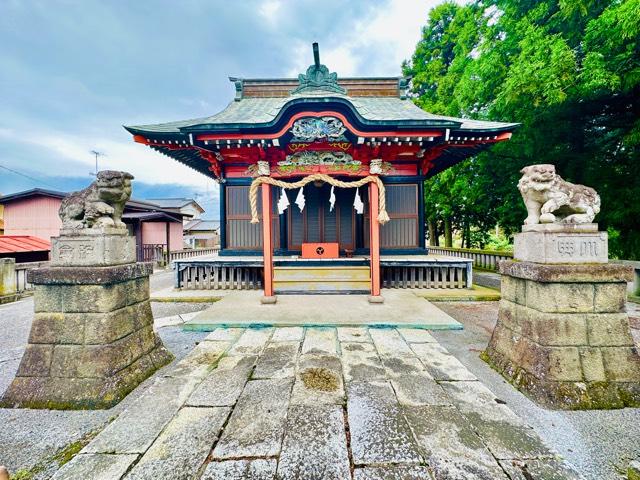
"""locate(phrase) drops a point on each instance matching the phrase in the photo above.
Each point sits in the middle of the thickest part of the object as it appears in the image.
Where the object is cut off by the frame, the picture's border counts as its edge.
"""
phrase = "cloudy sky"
(74, 71)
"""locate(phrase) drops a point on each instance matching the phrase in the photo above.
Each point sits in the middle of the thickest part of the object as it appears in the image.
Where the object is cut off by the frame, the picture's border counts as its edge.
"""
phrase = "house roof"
(151, 216)
(175, 202)
(132, 205)
(23, 243)
(43, 192)
(202, 225)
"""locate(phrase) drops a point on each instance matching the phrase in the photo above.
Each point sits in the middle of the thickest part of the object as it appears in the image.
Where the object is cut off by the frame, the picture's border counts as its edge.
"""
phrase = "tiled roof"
(22, 243)
(254, 111)
(174, 202)
(202, 225)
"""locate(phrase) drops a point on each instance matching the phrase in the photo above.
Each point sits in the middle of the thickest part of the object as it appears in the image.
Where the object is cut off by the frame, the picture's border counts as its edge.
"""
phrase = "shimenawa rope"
(383, 217)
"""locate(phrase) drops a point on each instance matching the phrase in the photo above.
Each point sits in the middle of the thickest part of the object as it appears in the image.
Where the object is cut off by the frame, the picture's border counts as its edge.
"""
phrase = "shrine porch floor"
(401, 308)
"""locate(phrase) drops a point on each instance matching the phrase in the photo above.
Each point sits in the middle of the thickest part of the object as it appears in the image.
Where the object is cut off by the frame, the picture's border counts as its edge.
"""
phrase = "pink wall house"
(35, 213)
(35, 216)
(156, 232)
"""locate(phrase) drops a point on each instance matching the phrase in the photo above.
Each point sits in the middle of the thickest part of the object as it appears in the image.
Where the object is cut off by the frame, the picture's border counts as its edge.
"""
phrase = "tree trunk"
(433, 232)
(448, 234)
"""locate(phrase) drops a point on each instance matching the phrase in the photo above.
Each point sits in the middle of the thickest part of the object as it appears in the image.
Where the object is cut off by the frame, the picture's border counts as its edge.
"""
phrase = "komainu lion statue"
(100, 204)
(550, 199)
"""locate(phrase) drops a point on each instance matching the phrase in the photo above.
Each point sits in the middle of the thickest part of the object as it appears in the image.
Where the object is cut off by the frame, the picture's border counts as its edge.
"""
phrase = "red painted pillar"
(267, 244)
(374, 243)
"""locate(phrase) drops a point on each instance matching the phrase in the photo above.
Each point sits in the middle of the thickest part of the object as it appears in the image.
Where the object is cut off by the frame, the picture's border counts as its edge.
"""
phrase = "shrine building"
(338, 165)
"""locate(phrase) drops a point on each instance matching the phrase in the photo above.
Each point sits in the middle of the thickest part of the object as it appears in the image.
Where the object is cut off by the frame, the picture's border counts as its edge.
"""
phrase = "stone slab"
(504, 433)
(256, 426)
(416, 335)
(315, 444)
(223, 334)
(379, 432)
(92, 250)
(320, 340)
(360, 362)
(331, 391)
(137, 427)
(101, 466)
(353, 334)
(415, 389)
(561, 247)
(597, 273)
(389, 342)
(288, 334)
(251, 342)
(547, 469)
(392, 473)
(451, 447)
(440, 363)
(562, 227)
(402, 307)
(103, 275)
(223, 386)
(278, 360)
(7, 277)
(183, 446)
(241, 470)
(398, 366)
(200, 361)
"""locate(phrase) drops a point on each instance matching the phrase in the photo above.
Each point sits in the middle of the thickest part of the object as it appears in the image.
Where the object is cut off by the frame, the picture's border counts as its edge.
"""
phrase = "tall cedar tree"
(569, 72)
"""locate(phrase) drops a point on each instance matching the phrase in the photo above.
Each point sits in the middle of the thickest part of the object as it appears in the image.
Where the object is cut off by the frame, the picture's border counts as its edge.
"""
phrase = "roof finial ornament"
(316, 55)
(318, 77)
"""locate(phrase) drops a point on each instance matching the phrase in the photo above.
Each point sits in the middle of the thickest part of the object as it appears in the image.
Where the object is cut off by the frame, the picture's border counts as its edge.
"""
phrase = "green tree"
(569, 71)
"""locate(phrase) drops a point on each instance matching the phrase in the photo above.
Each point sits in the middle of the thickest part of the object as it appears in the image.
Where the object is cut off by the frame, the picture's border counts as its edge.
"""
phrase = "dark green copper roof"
(254, 112)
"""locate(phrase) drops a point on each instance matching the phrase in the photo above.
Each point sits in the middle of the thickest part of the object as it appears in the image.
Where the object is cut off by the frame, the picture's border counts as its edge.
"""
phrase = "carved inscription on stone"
(557, 247)
(74, 250)
(571, 247)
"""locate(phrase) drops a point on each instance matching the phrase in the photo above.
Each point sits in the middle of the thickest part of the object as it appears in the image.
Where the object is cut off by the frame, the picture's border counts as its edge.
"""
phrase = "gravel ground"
(599, 444)
(30, 438)
(161, 279)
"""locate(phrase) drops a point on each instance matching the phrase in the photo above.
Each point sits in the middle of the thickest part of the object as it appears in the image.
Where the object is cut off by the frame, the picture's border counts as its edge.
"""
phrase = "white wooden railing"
(195, 252)
(486, 259)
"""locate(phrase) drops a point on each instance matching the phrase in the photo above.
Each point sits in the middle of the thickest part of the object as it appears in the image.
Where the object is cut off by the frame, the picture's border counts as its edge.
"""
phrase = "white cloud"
(388, 34)
(270, 10)
(143, 163)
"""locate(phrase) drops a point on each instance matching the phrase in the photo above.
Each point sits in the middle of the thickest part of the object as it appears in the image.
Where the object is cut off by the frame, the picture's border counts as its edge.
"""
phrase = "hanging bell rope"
(383, 217)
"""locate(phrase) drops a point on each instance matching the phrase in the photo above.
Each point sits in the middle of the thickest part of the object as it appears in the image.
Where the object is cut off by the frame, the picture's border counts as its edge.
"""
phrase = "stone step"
(322, 287)
(336, 274)
(322, 279)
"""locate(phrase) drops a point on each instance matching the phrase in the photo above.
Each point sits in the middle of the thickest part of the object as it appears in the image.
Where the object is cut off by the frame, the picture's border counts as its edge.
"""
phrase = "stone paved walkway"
(290, 403)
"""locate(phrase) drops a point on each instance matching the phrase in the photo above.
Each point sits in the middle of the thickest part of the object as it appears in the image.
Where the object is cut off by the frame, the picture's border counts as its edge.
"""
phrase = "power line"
(27, 176)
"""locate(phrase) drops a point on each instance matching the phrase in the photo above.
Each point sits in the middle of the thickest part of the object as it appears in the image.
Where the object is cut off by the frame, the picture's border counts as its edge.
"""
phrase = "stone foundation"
(92, 338)
(563, 335)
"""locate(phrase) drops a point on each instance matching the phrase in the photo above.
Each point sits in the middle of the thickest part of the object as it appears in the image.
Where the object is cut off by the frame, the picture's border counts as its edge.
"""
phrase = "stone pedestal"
(7, 280)
(554, 243)
(92, 338)
(563, 334)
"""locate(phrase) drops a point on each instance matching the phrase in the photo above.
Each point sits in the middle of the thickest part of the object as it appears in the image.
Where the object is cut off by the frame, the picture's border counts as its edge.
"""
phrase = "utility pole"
(97, 154)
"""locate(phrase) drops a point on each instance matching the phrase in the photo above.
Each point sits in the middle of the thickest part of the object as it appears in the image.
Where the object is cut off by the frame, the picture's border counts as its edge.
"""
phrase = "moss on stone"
(320, 379)
(562, 395)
